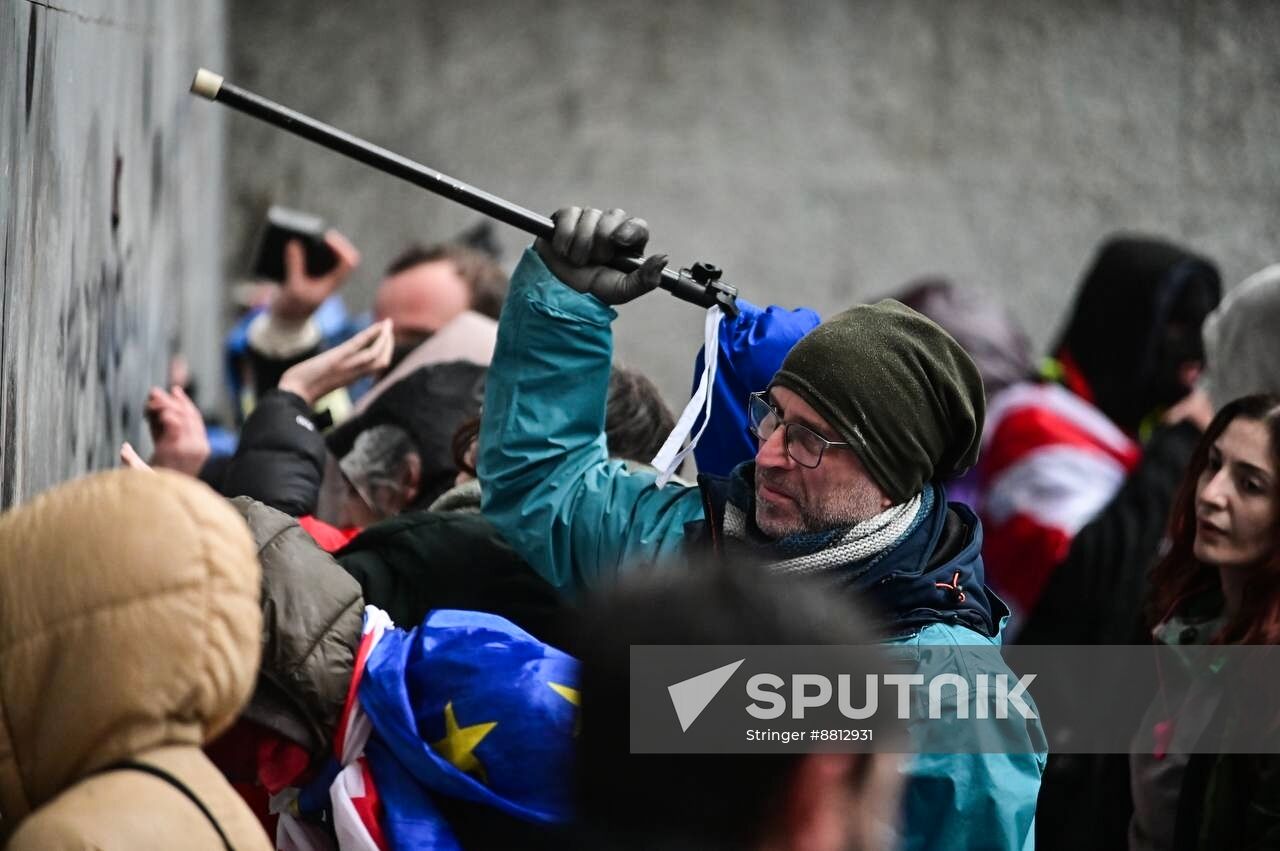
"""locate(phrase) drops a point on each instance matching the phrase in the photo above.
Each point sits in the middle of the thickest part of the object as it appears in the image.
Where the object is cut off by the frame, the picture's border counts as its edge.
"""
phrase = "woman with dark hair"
(1219, 584)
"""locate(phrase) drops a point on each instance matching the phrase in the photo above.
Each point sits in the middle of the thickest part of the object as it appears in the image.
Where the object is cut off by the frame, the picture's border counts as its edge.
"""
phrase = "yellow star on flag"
(573, 696)
(459, 744)
(570, 694)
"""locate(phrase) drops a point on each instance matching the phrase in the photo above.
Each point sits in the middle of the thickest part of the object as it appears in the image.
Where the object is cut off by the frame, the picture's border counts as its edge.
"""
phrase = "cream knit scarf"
(807, 553)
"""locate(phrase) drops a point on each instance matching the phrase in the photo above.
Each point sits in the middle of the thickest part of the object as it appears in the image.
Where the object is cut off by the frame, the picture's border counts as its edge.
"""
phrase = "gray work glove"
(585, 239)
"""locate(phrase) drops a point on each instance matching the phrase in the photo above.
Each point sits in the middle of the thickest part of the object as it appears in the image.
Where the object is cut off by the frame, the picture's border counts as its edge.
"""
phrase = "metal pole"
(212, 86)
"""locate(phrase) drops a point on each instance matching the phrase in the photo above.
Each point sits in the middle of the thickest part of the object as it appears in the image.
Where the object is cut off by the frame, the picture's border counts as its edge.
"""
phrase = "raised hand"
(586, 239)
(301, 295)
(367, 353)
(177, 430)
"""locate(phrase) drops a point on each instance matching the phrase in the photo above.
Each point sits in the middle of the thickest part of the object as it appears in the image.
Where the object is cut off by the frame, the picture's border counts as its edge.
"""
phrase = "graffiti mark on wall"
(96, 247)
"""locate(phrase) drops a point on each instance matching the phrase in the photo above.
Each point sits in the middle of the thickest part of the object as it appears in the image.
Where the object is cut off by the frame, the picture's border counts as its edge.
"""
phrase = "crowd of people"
(393, 610)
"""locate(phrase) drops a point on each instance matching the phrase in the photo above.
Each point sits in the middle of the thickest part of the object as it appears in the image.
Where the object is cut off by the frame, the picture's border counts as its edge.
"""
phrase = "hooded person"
(129, 637)
(1058, 449)
(869, 412)
(1132, 342)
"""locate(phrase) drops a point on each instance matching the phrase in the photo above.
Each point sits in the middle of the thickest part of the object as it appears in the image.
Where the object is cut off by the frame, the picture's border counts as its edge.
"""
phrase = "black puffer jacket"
(280, 459)
(425, 560)
(312, 614)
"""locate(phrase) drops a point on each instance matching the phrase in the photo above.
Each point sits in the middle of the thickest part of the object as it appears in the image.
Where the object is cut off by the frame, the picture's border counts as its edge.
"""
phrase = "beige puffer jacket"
(129, 629)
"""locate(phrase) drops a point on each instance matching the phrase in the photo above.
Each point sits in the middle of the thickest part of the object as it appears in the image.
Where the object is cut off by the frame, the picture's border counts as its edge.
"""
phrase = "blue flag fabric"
(410, 819)
(469, 706)
(752, 348)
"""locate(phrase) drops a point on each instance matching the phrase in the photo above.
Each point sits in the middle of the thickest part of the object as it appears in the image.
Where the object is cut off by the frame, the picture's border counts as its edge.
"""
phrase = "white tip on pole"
(206, 84)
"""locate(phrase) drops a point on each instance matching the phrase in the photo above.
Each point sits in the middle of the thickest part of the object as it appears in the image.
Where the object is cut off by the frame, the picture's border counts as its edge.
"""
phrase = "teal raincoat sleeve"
(547, 481)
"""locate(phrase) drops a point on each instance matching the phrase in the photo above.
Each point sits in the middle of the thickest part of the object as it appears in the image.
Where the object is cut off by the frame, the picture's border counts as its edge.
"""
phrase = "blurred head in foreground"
(130, 632)
(721, 801)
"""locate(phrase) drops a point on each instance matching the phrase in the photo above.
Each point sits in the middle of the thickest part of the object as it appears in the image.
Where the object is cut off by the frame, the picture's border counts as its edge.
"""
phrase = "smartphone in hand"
(283, 225)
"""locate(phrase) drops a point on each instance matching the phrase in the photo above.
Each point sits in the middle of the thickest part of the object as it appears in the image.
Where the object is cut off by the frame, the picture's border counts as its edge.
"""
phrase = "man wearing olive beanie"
(870, 411)
(897, 388)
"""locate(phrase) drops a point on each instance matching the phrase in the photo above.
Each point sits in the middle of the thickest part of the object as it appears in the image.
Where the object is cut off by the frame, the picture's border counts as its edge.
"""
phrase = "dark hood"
(429, 403)
(1136, 317)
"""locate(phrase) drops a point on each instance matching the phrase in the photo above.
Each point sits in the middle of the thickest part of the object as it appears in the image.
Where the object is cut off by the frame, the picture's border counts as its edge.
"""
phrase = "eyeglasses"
(804, 445)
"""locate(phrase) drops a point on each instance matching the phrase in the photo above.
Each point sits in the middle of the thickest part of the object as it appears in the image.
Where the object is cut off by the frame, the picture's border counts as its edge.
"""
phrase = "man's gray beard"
(840, 513)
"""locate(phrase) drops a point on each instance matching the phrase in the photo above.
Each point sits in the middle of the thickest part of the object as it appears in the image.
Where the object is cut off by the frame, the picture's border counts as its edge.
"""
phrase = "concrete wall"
(110, 224)
(819, 152)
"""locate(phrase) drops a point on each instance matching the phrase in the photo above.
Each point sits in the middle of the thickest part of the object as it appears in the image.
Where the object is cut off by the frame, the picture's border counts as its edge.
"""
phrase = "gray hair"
(376, 463)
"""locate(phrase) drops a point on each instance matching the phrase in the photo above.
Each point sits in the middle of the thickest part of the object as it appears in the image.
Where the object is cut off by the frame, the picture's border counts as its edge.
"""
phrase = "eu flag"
(469, 706)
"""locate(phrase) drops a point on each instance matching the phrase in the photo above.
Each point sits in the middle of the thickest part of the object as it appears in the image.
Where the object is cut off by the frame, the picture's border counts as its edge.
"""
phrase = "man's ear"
(411, 478)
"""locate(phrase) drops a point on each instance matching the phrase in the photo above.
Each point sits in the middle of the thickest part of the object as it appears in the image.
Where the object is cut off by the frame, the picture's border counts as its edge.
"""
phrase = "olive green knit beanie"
(897, 387)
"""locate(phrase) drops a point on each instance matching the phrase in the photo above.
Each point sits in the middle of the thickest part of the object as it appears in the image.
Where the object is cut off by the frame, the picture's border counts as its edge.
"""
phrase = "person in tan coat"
(130, 633)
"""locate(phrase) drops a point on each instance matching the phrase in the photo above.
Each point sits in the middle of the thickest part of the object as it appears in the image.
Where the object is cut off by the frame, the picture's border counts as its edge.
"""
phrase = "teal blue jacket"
(581, 519)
